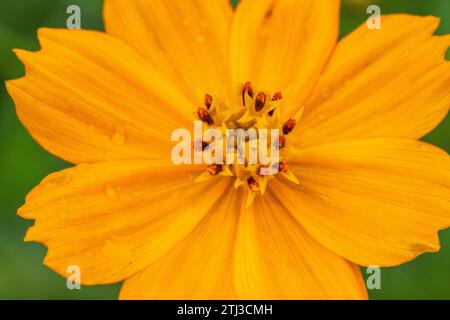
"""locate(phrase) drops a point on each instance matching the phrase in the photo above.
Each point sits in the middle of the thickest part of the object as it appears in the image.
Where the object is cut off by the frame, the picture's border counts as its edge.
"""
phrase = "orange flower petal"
(373, 201)
(114, 219)
(187, 40)
(276, 259)
(198, 268)
(392, 82)
(283, 45)
(88, 97)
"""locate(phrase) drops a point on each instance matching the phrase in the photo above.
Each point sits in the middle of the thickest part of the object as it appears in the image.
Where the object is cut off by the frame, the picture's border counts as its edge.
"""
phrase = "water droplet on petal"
(67, 106)
(349, 83)
(114, 236)
(62, 215)
(200, 39)
(325, 198)
(83, 167)
(56, 179)
(91, 129)
(137, 193)
(112, 193)
(325, 92)
(186, 22)
(423, 146)
(85, 221)
(118, 136)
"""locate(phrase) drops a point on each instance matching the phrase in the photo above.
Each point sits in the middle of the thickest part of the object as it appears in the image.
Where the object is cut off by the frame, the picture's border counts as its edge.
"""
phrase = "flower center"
(253, 128)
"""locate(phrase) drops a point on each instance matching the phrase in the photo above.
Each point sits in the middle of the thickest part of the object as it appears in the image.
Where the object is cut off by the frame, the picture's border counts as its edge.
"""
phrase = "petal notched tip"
(32, 236)
(23, 212)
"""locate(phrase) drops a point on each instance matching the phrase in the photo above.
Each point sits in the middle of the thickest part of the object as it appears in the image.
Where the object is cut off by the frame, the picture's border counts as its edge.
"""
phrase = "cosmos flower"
(355, 186)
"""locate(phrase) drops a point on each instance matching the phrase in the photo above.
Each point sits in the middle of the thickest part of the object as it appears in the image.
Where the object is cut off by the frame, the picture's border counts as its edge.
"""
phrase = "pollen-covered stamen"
(260, 101)
(289, 126)
(259, 118)
(204, 115)
(252, 184)
(215, 169)
(208, 101)
(247, 90)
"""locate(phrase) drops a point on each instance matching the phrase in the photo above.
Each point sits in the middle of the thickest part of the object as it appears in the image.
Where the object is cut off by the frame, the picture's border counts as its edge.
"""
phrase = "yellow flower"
(361, 190)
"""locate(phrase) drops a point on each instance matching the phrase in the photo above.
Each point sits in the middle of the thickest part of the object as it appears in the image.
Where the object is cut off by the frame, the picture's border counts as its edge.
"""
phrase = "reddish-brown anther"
(248, 89)
(215, 169)
(289, 126)
(277, 96)
(208, 101)
(252, 184)
(260, 101)
(204, 115)
(283, 167)
(281, 141)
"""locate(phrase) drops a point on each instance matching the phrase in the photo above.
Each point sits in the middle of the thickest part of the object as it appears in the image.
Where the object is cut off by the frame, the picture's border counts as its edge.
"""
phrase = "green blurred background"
(23, 163)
